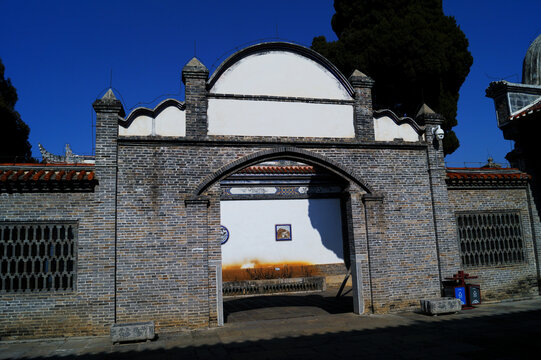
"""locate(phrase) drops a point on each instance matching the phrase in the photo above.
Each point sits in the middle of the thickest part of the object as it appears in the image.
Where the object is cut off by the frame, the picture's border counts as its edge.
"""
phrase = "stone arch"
(288, 152)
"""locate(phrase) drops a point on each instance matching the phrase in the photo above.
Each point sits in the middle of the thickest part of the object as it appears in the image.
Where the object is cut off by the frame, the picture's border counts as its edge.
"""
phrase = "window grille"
(37, 257)
(490, 238)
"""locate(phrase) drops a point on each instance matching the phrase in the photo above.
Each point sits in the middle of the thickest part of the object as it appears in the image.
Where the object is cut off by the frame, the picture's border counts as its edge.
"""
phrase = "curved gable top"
(280, 69)
(389, 127)
(168, 118)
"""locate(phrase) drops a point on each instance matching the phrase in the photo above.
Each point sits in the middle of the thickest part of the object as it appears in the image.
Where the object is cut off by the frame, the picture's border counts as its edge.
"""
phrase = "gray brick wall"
(156, 194)
(500, 282)
(149, 244)
(45, 314)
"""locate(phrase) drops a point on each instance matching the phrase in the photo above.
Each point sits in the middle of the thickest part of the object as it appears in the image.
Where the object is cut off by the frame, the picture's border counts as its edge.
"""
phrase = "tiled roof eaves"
(278, 170)
(39, 165)
(528, 111)
(466, 176)
(486, 177)
(23, 178)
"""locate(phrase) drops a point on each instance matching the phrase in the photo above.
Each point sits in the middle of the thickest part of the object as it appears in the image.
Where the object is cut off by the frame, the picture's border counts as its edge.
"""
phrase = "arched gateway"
(275, 101)
(143, 223)
(340, 203)
(267, 102)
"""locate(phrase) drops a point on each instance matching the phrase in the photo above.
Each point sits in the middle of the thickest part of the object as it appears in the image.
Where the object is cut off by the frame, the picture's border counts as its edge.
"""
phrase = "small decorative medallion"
(283, 232)
(224, 234)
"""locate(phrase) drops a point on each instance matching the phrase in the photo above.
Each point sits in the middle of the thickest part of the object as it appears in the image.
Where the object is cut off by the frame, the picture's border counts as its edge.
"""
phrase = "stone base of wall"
(23, 330)
(394, 306)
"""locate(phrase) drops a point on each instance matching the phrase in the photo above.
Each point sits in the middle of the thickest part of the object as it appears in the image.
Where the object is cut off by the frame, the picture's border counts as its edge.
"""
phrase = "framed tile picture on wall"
(283, 232)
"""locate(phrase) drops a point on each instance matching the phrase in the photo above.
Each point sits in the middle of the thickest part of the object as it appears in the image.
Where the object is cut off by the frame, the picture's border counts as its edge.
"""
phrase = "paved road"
(508, 330)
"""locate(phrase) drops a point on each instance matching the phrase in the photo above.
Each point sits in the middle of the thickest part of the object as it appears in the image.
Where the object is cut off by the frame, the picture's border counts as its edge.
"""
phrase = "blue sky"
(59, 55)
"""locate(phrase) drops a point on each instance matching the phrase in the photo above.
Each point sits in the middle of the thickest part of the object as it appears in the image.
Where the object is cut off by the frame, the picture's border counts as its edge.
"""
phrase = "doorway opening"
(285, 251)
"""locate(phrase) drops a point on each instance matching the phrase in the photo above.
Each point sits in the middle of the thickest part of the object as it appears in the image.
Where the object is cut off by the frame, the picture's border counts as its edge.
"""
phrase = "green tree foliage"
(14, 145)
(410, 48)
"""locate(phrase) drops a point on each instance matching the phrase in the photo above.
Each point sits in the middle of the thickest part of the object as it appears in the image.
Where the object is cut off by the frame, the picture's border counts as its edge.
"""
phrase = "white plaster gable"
(386, 129)
(280, 73)
(169, 121)
(140, 126)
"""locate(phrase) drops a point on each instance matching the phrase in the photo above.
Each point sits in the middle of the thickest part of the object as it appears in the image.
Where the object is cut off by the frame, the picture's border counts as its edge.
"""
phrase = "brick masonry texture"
(500, 282)
(156, 187)
(149, 248)
(78, 312)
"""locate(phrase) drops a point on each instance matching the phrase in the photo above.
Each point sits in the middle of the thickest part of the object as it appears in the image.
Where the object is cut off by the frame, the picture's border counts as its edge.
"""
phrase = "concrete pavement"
(507, 330)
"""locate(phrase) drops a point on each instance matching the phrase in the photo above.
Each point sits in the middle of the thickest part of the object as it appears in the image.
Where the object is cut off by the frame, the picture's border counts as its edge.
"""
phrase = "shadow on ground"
(508, 336)
(284, 306)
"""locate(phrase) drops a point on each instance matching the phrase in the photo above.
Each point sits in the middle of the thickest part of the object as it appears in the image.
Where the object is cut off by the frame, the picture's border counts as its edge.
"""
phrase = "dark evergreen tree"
(410, 48)
(14, 145)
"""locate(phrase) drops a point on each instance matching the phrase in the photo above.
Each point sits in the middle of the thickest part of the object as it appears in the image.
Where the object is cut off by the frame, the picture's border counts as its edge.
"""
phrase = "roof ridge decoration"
(283, 46)
(399, 120)
(68, 158)
(499, 87)
(153, 113)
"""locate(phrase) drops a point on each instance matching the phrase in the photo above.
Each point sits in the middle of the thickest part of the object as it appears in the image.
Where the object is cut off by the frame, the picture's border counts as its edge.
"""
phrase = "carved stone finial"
(195, 69)
(109, 103)
(424, 110)
(358, 79)
(426, 116)
(109, 95)
(491, 164)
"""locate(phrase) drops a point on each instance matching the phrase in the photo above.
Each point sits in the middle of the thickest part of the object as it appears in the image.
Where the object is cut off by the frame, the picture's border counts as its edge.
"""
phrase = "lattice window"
(37, 256)
(490, 238)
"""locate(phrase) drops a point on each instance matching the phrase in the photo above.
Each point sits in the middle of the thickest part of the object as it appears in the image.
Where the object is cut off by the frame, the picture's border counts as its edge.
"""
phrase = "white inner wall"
(171, 121)
(280, 73)
(385, 129)
(140, 126)
(275, 118)
(316, 232)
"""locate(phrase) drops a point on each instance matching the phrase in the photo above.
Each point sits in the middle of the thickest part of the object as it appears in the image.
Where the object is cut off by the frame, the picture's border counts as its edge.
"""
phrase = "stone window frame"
(57, 281)
(488, 244)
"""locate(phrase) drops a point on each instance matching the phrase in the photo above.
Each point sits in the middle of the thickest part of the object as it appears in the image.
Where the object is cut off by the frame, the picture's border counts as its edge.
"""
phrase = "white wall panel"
(171, 121)
(140, 126)
(280, 73)
(316, 232)
(385, 129)
(275, 118)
